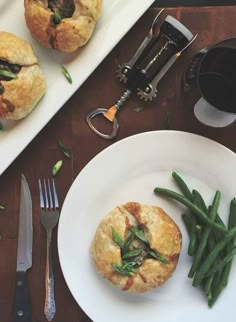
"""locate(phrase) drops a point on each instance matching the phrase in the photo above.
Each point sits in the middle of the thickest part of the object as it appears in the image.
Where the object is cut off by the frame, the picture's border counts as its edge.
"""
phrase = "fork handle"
(49, 306)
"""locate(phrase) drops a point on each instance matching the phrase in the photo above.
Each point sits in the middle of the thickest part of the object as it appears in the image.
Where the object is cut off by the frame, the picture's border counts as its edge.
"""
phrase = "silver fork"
(49, 218)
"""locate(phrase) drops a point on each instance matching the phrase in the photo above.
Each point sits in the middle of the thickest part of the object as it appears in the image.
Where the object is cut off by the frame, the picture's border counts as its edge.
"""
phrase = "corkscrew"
(141, 75)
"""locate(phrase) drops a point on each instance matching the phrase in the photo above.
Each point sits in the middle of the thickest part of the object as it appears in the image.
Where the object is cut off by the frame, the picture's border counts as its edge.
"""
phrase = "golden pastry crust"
(20, 95)
(16, 50)
(68, 35)
(163, 235)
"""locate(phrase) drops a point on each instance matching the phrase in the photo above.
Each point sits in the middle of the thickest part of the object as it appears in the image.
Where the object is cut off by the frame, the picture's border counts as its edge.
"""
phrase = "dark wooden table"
(193, 3)
(101, 89)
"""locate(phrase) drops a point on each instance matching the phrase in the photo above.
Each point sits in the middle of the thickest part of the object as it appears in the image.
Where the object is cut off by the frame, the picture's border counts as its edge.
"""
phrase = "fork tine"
(55, 194)
(41, 194)
(46, 194)
(50, 195)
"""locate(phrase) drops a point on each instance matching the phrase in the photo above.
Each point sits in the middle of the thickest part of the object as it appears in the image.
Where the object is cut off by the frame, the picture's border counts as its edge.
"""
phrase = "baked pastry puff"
(136, 247)
(64, 25)
(22, 83)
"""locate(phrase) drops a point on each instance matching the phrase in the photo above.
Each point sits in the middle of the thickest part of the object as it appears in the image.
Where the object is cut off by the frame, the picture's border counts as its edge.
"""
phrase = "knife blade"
(21, 304)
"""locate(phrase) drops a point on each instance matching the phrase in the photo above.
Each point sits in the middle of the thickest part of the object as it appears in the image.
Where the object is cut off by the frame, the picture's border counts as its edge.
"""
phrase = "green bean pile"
(211, 243)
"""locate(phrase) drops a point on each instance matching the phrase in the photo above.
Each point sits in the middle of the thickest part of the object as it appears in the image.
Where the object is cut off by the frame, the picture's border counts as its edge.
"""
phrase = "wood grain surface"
(102, 89)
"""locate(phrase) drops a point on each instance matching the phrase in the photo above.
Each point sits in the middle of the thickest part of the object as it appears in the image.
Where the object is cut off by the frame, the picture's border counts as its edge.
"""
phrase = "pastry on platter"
(136, 247)
(22, 83)
(64, 25)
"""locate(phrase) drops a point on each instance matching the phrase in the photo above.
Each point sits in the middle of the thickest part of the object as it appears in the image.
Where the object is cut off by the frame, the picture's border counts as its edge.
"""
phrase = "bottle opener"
(141, 75)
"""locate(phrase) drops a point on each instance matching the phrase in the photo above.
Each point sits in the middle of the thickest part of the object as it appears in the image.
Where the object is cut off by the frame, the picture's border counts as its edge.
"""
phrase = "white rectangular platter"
(118, 16)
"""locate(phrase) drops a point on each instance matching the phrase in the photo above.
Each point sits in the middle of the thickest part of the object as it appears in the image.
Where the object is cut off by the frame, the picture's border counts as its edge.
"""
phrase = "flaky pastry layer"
(164, 237)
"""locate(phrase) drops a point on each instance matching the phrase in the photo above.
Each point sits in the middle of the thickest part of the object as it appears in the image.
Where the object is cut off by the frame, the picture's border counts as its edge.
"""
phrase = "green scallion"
(64, 149)
(57, 18)
(56, 168)
(158, 256)
(132, 253)
(8, 74)
(66, 74)
(116, 237)
(139, 234)
(138, 109)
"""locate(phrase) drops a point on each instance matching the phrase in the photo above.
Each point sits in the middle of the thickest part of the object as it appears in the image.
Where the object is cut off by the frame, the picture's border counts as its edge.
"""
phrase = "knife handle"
(21, 305)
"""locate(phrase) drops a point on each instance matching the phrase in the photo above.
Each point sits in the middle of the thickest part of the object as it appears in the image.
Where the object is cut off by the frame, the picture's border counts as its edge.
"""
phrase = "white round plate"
(129, 170)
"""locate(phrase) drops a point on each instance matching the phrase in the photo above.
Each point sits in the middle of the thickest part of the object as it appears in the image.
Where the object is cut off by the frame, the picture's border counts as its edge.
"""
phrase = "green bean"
(213, 284)
(224, 261)
(227, 261)
(201, 214)
(220, 221)
(218, 287)
(231, 224)
(232, 214)
(208, 286)
(211, 242)
(191, 228)
(187, 223)
(198, 227)
(209, 280)
(201, 204)
(197, 258)
(206, 265)
(213, 249)
(199, 231)
(219, 235)
(193, 242)
(182, 185)
(198, 200)
(205, 236)
(216, 279)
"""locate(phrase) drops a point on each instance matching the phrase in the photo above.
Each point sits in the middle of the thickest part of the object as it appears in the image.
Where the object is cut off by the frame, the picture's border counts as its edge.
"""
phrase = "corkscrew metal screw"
(141, 75)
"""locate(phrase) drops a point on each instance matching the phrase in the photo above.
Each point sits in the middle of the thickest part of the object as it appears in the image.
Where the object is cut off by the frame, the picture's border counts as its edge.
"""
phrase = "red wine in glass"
(213, 72)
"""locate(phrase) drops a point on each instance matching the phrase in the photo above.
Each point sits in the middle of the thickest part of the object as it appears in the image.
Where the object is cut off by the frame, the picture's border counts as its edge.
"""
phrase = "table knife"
(21, 304)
